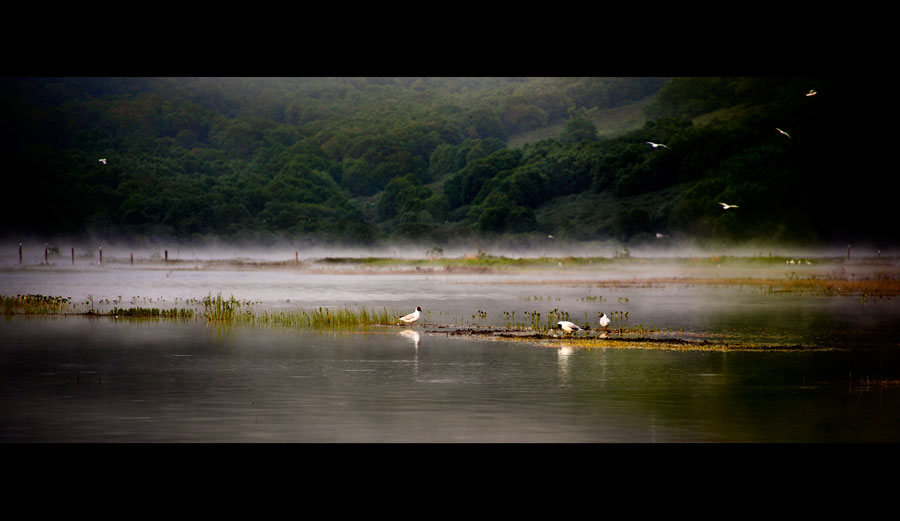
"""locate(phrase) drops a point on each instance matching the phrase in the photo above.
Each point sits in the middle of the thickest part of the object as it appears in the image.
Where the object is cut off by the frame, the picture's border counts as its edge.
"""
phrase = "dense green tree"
(401, 195)
(463, 187)
(579, 129)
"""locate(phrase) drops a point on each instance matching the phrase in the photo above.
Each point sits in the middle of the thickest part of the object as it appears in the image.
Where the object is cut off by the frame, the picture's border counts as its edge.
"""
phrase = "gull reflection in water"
(562, 360)
(412, 335)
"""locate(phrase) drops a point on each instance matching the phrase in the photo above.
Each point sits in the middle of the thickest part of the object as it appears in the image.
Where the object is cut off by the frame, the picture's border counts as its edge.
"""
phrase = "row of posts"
(296, 254)
(47, 255)
(47, 252)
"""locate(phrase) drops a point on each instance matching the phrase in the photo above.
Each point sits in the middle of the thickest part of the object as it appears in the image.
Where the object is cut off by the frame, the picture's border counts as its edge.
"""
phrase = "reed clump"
(34, 305)
(152, 313)
(219, 308)
(329, 318)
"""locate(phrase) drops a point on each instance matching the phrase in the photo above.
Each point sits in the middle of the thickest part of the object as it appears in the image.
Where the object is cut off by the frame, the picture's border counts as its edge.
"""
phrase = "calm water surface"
(74, 379)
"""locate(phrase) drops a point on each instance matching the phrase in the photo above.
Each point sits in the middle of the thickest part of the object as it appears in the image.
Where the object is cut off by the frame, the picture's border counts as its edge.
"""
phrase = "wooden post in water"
(296, 257)
(20, 253)
(73, 256)
(167, 255)
(848, 252)
(45, 253)
(132, 258)
(101, 256)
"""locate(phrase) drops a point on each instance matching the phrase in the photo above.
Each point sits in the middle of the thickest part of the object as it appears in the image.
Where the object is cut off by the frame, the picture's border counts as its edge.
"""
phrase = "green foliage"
(402, 195)
(34, 304)
(464, 186)
(577, 130)
(253, 157)
(497, 214)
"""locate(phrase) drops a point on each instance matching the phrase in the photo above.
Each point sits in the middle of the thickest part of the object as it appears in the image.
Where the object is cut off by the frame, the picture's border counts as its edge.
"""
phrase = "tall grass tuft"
(219, 308)
(34, 305)
(329, 318)
(152, 313)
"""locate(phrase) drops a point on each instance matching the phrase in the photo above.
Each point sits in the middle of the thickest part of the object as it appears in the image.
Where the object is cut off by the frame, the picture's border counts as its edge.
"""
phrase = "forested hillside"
(361, 159)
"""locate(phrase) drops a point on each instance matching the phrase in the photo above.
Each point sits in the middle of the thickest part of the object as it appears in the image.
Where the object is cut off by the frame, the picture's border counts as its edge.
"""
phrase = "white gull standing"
(412, 317)
(567, 326)
(604, 320)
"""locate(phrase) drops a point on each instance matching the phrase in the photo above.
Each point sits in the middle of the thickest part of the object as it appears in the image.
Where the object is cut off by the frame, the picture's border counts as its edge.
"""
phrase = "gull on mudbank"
(604, 320)
(567, 326)
(412, 317)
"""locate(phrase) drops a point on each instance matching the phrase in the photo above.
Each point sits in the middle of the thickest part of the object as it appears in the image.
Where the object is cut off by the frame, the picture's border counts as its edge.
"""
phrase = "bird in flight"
(727, 206)
(412, 317)
(103, 161)
(655, 145)
(783, 132)
(811, 93)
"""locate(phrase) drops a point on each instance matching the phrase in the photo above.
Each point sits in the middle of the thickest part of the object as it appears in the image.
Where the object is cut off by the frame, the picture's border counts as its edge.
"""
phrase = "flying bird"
(655, 145)
(412, 317)
(103, 161)
(727, 206)
(783, 132)
(604, 320)
(811, 93)
(567, 326)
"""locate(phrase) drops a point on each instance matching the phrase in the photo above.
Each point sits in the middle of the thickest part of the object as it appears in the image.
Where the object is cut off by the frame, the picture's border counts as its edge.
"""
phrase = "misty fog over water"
(117, 251)
(645, 286)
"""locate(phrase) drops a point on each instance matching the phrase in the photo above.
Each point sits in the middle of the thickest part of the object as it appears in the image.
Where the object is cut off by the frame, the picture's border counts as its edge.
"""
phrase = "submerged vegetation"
(881, 286)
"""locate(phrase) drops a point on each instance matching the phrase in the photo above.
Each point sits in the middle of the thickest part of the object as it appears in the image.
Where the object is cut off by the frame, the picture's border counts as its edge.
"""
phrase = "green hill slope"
(435, 159)
(608, 122)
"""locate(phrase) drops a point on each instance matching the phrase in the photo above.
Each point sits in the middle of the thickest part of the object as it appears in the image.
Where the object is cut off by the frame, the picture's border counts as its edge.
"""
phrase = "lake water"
(78, 379)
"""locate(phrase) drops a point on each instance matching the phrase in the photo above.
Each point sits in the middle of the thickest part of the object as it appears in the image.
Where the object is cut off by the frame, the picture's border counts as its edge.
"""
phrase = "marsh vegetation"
(530, 296)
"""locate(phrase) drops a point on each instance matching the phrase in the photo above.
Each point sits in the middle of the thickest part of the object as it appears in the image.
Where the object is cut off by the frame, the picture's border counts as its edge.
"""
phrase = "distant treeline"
(355, 159)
